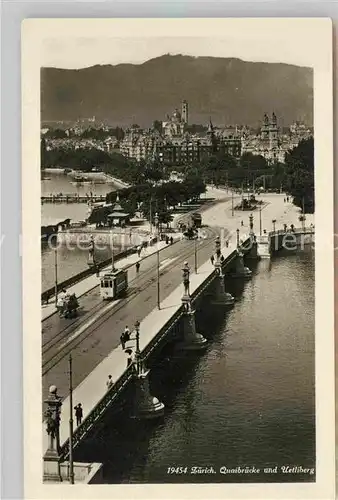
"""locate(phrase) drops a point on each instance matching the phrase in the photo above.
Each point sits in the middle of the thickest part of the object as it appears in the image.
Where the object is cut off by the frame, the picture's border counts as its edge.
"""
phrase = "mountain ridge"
(229, 89)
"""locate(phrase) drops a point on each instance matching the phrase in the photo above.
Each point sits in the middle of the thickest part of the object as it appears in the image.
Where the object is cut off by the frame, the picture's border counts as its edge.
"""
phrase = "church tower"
(265, 127)
(273, 132)
(185, 112)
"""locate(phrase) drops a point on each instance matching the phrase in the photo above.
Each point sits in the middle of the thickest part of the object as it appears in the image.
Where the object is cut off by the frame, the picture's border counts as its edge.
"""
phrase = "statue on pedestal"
(186, 280)
(52, 415)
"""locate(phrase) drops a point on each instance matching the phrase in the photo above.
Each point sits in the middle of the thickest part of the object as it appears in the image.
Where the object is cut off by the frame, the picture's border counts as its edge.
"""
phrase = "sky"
(272, 42)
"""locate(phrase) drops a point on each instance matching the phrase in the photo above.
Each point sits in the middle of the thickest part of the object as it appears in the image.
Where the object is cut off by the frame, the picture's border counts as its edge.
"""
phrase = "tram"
(196, 219)
(113, 284)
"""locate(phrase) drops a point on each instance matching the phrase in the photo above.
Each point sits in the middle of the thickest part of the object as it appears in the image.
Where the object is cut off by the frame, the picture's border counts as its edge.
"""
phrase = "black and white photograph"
(178, 330)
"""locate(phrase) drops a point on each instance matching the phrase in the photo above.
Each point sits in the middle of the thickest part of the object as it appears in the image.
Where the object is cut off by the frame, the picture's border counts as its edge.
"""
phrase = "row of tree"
(153, 199)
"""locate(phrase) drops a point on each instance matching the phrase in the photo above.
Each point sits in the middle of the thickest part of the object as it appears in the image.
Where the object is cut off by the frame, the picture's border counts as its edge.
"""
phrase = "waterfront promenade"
(92, 388)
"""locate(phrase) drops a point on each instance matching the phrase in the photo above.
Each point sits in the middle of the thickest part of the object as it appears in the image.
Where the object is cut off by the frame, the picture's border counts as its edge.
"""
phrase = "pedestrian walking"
(137, 267)
(78, 414)
(126, 334)
(123, 342)
(129, 360)
(227, 243)
(212, 259)
(242, 223)
(171, 240)
(139, 251)
(109, 382)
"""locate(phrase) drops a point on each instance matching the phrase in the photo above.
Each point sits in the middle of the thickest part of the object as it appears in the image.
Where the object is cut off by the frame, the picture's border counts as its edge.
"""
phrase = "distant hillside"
(228, 90)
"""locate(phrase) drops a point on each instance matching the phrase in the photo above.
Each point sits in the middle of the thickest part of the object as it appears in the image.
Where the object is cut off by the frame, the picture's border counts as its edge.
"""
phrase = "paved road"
(97, 331)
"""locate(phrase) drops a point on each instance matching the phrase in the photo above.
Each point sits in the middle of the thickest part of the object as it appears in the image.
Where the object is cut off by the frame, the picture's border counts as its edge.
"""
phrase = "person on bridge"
(110, 382)
(137, 267)
(139, 251)
(171, 240)
(212, 259)
(227, 243)
(126, 334)
(242, 223)
(78, 414)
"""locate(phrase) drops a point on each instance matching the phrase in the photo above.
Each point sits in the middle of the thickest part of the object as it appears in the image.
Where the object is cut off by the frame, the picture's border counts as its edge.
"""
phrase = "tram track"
(56, 357)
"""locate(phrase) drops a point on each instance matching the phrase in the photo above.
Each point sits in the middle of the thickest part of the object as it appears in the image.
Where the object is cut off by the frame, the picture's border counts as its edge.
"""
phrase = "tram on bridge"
(113, 284)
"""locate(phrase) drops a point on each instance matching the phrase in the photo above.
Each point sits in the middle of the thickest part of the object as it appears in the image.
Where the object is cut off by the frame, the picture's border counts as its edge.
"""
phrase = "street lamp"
(56, 275)
(251, 223)
(71, 461)
(112, 252)
(237, 233)
(186, 280)
(195, 252)
(260, 220)
(137, 352)
(158, 265)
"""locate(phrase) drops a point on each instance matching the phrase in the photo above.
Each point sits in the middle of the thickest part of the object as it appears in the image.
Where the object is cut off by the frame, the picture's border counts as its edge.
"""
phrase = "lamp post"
(232, 202)
(158, 263)
(251, 223)
(218, 251)
(52, 414)
(71, 461)
(260, 221)
(186, 280)
(274, 225)
(112, 252)
(151, 216)
(137, 350)
(195, 252)
(56, 274)
(237, 233)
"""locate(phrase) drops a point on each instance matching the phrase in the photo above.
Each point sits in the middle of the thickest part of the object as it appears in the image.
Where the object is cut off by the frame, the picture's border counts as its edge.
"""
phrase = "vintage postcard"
(178, 258)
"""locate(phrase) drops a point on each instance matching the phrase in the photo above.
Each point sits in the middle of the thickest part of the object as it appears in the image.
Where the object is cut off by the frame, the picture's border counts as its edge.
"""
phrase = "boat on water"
(81, 179)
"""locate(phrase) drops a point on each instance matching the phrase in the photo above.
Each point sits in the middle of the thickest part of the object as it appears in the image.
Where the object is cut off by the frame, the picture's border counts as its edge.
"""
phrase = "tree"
(299, 174)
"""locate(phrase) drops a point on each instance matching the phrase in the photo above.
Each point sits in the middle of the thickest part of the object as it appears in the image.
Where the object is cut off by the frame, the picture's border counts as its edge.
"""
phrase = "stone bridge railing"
(111, 395)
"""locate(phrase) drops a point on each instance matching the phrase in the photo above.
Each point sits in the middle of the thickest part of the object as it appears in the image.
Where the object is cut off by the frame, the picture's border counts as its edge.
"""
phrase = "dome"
(176, 114)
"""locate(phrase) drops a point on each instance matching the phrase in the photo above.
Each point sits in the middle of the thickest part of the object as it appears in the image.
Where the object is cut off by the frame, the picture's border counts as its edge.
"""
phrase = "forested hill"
(228, 90)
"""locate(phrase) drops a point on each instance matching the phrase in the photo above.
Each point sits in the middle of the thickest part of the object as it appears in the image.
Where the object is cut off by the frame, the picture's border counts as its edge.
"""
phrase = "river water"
(249, 400)
(69, 261)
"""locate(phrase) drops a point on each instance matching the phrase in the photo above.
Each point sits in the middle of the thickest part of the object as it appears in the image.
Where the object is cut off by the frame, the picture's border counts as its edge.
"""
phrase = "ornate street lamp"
(52, 415)
(186, 279)
(237, 233)
(137, 352)
(251, 223)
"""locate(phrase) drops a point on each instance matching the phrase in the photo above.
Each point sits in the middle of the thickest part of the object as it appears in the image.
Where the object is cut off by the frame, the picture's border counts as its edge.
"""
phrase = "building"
(195, 148)
(268, 143)
(176, 124)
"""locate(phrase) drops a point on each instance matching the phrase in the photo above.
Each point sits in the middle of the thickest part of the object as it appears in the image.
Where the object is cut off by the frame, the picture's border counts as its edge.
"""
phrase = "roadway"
(96, 331)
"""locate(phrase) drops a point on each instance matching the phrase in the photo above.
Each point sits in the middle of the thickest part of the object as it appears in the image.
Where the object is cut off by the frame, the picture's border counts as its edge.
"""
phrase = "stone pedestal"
(192, 340)
(263, 247)
(241, 271)
(51, 466)
(146, 405)
(253, 252)
(221, 296)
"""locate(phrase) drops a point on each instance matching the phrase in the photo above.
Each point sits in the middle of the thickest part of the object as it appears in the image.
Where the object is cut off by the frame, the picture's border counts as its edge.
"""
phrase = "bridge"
(174, 321)
(73, 198)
